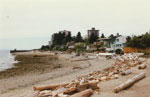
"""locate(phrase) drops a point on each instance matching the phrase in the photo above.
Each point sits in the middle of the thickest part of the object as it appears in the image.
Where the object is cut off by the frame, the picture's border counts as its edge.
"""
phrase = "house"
(118, 43)
(106, 42)
(71, 44)
(91, 47)
(96, 46)
(93, 31)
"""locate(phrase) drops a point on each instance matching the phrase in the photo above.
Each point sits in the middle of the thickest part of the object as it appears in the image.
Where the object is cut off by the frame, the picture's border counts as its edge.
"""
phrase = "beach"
(47, 68)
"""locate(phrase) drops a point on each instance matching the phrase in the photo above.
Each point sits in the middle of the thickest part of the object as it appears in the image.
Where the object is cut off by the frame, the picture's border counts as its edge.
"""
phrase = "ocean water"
(6, 60)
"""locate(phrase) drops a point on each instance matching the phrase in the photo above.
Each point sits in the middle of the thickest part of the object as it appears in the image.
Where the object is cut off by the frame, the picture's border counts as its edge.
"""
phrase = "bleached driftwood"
(62, 95)
(85, 93)
(45, 93)
(129, 82)
(85, 86)
(58, 91)
(49, 87)
(70, 90)
(142, 66)
(126, 72)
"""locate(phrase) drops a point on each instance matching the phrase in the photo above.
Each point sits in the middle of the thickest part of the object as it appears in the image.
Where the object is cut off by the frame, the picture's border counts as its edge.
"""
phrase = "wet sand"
(31, 63)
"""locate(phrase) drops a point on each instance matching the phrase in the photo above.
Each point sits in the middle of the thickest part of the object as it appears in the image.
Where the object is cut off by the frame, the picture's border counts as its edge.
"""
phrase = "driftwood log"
(129, 82)
(70, 90)
(49, 87)
(85, 93)
(126, 72)
(142, 66)
(92, 85)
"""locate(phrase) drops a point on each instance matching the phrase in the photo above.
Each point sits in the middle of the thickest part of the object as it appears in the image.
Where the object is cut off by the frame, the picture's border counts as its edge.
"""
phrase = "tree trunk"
(129, 82)
(142, 66)
(92, 86)
(126, 72)
(48, 87)
(85, 93)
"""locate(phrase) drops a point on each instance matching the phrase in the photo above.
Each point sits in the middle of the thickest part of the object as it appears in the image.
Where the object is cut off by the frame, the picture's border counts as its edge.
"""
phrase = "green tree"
(45, 47)
(73, 38)
(118, 34)
(146, 39)
(111, 36)
(142, 41)
(79, 37)
(68, 37)
(102, 36)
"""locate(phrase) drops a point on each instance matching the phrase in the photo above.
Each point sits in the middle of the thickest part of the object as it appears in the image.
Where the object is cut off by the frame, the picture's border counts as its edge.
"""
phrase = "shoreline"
(29, 63)
(21, 85)
(10, 84)
(7, 60)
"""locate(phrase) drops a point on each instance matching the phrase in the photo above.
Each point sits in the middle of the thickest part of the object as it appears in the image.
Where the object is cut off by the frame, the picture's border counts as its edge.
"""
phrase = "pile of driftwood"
(86, 85)
(73, 89)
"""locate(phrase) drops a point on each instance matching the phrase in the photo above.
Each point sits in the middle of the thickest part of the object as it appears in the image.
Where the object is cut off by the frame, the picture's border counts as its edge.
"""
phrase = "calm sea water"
(6, 60)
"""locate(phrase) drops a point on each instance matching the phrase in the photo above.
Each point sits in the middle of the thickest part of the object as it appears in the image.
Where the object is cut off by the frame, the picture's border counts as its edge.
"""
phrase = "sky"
(28, 24)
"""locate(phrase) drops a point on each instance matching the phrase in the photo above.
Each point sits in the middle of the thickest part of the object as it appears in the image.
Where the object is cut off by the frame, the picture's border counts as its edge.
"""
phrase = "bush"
(119, 51)
(79, 47)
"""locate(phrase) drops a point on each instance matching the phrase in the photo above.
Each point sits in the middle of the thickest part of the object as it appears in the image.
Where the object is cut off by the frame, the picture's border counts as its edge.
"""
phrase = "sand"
(22, 84)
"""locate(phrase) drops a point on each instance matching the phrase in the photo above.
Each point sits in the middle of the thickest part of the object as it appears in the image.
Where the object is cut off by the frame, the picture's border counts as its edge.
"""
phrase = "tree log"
(126, 72)
(142, 66)
(85, 93)
(87, 86)
(68, 91)
(49, 87)
(129, 82)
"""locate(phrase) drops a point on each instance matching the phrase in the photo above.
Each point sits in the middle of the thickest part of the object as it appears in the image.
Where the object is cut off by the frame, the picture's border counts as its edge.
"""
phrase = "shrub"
(119, 51)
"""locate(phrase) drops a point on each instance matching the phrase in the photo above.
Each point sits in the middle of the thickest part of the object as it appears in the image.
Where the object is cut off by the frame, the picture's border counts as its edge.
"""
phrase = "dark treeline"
(141, 41)
(62, 39)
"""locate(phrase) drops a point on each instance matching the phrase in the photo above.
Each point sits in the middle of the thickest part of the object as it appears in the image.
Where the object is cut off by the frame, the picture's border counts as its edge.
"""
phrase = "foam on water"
(6, 60)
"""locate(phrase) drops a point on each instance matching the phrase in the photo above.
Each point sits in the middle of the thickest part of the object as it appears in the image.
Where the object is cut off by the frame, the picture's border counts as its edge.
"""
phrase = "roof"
(104, 39)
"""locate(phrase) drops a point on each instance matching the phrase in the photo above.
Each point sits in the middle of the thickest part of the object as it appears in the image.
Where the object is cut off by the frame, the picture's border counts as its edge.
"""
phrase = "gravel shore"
(22, 83)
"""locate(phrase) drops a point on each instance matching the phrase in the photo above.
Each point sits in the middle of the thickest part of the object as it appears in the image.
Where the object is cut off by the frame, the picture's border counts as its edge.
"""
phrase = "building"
(93, 30)
(105, 41)
(71, 44)
(118, 43)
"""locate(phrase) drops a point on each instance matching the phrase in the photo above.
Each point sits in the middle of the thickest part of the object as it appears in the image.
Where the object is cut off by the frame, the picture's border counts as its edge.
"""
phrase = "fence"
(135, 50)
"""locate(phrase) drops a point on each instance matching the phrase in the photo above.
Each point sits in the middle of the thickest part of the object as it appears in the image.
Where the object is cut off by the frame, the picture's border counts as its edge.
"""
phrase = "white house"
(118, 43)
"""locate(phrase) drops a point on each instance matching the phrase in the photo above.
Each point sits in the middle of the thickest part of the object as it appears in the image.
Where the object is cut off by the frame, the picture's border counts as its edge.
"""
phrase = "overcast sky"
(27, 24)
